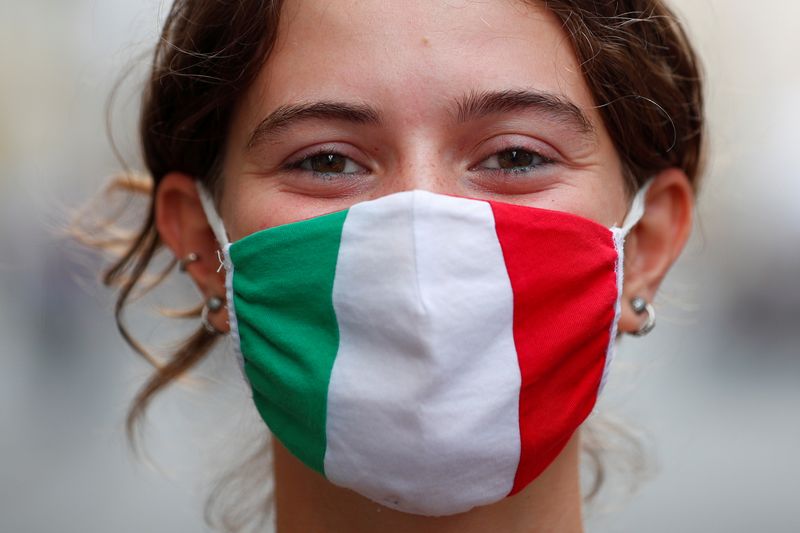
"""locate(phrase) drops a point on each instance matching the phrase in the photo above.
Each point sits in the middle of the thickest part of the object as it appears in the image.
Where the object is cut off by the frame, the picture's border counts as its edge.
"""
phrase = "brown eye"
(511, 159)
(514, 160)
(328, 163)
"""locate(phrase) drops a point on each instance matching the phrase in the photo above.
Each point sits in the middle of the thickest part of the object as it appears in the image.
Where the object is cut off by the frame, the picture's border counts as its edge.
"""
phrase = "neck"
(306, 502)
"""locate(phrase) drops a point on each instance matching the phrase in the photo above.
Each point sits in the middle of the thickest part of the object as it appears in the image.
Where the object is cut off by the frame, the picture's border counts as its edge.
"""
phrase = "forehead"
(414, 57)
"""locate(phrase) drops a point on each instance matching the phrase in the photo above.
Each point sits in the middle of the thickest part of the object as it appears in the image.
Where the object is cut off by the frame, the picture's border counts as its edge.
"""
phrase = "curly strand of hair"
(192, 312)
(241, 499)
(134, 253)
(125, 274)
(192, 351)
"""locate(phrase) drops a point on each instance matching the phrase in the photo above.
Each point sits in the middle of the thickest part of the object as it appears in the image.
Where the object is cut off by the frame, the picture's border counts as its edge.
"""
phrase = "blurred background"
(711, 395)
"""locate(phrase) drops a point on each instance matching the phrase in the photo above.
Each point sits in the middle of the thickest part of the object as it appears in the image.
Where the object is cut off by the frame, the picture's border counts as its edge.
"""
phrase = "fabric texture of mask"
(430, 352)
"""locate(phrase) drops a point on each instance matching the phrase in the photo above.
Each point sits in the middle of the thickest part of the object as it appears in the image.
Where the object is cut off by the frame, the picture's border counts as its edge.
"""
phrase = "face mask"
(430, 352)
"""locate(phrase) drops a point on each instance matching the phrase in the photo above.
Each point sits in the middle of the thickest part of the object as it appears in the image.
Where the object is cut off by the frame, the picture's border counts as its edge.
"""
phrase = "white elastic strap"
(635, 213)
(636, 210)
(213, 218)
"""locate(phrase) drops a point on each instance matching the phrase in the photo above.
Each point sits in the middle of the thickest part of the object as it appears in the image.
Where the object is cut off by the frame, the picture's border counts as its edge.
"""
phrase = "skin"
(410, 62)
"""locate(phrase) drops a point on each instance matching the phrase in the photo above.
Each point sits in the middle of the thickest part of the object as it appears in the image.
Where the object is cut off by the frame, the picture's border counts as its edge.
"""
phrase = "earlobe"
(182, 226)
(655, 243)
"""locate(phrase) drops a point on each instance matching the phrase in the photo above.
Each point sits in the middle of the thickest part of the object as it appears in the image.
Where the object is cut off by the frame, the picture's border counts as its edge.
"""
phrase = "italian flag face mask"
(430, 352)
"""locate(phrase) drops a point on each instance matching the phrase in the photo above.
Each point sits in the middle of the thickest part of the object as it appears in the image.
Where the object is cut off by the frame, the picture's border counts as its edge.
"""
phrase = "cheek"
(607, 203)
(251, 205)
(248, 212)
(604, 197)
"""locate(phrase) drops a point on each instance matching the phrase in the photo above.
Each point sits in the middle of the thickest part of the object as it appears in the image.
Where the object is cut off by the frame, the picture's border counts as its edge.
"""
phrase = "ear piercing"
(212, 305)
(184, 262)
(642, 306)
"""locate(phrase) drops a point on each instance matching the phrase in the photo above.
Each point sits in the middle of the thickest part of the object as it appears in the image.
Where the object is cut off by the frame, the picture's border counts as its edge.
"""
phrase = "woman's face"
(363, 98)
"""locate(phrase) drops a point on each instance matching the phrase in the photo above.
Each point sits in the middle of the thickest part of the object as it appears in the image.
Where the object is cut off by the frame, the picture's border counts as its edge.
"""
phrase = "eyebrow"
(472, 106)
(476, 105)
(286, 115)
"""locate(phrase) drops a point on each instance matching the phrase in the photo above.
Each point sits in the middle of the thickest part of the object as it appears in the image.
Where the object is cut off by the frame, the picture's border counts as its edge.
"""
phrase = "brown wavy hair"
(635, 56)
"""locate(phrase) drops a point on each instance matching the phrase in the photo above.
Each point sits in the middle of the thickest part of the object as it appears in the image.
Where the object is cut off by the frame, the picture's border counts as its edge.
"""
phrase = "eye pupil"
(328, 163)
(515, 159)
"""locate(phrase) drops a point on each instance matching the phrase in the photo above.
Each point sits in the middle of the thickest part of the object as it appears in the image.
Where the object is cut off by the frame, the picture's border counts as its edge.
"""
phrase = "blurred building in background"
(711, 393)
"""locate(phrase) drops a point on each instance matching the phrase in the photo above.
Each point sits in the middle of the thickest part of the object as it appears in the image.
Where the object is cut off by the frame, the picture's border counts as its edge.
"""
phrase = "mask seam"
(618, 236)
(232, 320)
(414, 240)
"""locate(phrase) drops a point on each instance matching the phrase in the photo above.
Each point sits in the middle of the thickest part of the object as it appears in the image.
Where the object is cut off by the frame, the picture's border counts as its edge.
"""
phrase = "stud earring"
(642, 306)
(184, 262)
(212, 305)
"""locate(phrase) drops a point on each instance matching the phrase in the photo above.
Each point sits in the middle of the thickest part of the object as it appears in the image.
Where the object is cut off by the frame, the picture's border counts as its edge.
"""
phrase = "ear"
(656, 241)
(182, 225)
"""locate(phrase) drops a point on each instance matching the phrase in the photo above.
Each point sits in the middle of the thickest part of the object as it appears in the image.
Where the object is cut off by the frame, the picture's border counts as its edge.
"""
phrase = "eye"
(514, 160)
(327, 163)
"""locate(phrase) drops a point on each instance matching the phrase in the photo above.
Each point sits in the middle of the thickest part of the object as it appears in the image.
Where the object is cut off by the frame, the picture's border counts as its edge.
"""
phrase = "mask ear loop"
(636, 210)
(634, 215)
(216, 224)
(221, 235)
(214, 219)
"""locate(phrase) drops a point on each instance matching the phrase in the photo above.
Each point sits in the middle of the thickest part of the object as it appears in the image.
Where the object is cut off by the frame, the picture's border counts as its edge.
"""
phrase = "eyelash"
(543, 161)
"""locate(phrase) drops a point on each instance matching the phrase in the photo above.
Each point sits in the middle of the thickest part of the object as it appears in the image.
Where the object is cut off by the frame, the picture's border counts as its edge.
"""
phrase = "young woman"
(423, 225)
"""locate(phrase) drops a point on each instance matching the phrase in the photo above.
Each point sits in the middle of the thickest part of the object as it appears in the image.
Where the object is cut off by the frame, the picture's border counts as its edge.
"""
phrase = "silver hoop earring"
(641, 306)
(213, 304)
(184, 262)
